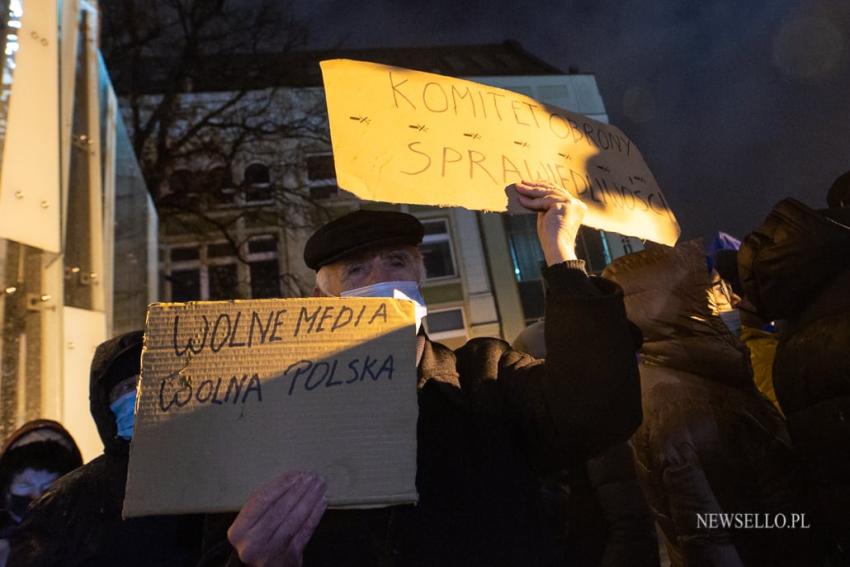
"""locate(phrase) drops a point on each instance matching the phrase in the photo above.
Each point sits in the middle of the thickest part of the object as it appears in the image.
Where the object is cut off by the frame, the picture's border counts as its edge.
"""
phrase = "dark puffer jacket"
(796, 267)
(78, 521)
(709, 442)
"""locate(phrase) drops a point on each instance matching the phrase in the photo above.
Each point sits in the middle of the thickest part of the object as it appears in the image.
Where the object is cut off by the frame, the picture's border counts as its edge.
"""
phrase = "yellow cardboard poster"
(403, 136)
(233, 394)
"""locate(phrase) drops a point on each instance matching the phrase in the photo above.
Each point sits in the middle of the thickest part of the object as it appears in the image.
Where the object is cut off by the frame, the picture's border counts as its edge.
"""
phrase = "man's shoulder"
(487, 355)
(482, 346)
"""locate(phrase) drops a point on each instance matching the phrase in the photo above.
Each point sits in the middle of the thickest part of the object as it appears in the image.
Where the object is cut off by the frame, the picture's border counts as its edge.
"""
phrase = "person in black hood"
(710, 445)
(32, 458)
(78, 521)
(796, 267)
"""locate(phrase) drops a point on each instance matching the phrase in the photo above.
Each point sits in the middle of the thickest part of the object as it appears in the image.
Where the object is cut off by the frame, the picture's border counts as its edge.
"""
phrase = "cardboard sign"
(404, 136)
(233, 394)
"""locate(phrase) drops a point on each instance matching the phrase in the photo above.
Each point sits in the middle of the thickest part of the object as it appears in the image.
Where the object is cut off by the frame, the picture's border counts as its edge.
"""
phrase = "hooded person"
(78, 521)
(796, 267)
(490, 418)
(709, 443)
(31, 460)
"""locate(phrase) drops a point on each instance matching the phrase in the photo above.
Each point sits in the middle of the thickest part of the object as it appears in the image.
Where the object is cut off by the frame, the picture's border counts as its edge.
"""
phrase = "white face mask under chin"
(398, 290)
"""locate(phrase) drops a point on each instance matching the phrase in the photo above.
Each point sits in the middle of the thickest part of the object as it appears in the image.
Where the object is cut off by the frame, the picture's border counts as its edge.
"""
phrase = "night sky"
(735, 104)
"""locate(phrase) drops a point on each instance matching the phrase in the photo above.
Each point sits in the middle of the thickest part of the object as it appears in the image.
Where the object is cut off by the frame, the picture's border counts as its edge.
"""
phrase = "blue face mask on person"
(732, 320)
(123, 409)
(398, 290)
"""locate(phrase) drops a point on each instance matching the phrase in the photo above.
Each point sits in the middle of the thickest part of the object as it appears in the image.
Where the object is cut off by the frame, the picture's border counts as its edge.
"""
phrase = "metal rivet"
(45, 297)
(34, 34)
(71, 346)
(11, 289)
(19, 194)
(75, 269)
(44, 204)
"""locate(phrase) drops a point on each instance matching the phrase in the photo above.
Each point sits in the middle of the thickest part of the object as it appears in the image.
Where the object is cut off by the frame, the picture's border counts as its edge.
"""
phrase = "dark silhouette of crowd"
(690, 407)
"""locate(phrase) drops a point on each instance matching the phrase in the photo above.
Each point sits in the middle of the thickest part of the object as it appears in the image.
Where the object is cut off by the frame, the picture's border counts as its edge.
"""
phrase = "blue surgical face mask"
(398, 290)
(123, 409)
(732, 320)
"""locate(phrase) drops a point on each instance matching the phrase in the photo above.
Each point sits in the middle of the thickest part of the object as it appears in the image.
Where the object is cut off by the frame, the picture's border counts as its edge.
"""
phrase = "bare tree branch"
(160, 52)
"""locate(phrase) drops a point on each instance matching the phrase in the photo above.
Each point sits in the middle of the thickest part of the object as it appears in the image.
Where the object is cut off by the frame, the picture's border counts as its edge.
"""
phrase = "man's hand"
(559, 216)
(276, 523)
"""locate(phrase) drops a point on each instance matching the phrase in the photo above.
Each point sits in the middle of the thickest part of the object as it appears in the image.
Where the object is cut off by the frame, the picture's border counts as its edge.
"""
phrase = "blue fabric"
(123, 409)
(721, 241)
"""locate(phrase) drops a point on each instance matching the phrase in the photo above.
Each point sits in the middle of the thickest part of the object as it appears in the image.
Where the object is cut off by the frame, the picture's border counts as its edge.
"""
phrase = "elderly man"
(491, 419)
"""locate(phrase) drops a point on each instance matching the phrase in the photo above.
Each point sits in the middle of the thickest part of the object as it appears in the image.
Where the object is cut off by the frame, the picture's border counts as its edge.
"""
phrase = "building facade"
(73, 207)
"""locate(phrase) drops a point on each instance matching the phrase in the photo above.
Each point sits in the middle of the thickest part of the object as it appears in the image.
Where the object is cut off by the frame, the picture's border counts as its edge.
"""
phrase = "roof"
(301, 68)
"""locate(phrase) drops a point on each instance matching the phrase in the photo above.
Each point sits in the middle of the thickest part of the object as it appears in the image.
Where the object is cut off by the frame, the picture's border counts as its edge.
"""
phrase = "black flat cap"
(360, 231)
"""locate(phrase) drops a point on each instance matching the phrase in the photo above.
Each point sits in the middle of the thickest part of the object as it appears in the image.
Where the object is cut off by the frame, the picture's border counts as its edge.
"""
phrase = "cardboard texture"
(233, 394)
(403, 136)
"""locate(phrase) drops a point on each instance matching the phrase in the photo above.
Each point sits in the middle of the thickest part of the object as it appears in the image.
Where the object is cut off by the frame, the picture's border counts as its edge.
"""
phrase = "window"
(321, 176)
(445, 323)
(263, 266)
(262, 245)
(220, 249)
(257, 174)
(214, 271)
(526, 254)
(320, 167)
(436, 250)
(528, 259)
(265, 279)
(592, 247)
(257, 183)
(185, 285)
(214, 184)
(218, 185)
(223, 281)
(182, 254)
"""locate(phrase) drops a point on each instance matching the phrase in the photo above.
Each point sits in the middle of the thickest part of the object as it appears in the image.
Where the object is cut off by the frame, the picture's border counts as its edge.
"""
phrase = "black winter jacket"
(709, 442)
(796, 266)
(78, 521)
(490, 420)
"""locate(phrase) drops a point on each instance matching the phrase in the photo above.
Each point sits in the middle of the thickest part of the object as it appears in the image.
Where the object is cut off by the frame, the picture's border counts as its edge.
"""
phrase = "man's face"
(721, 297)
(26, 486)
(32, 482)
(401, 263)
(124, 386)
